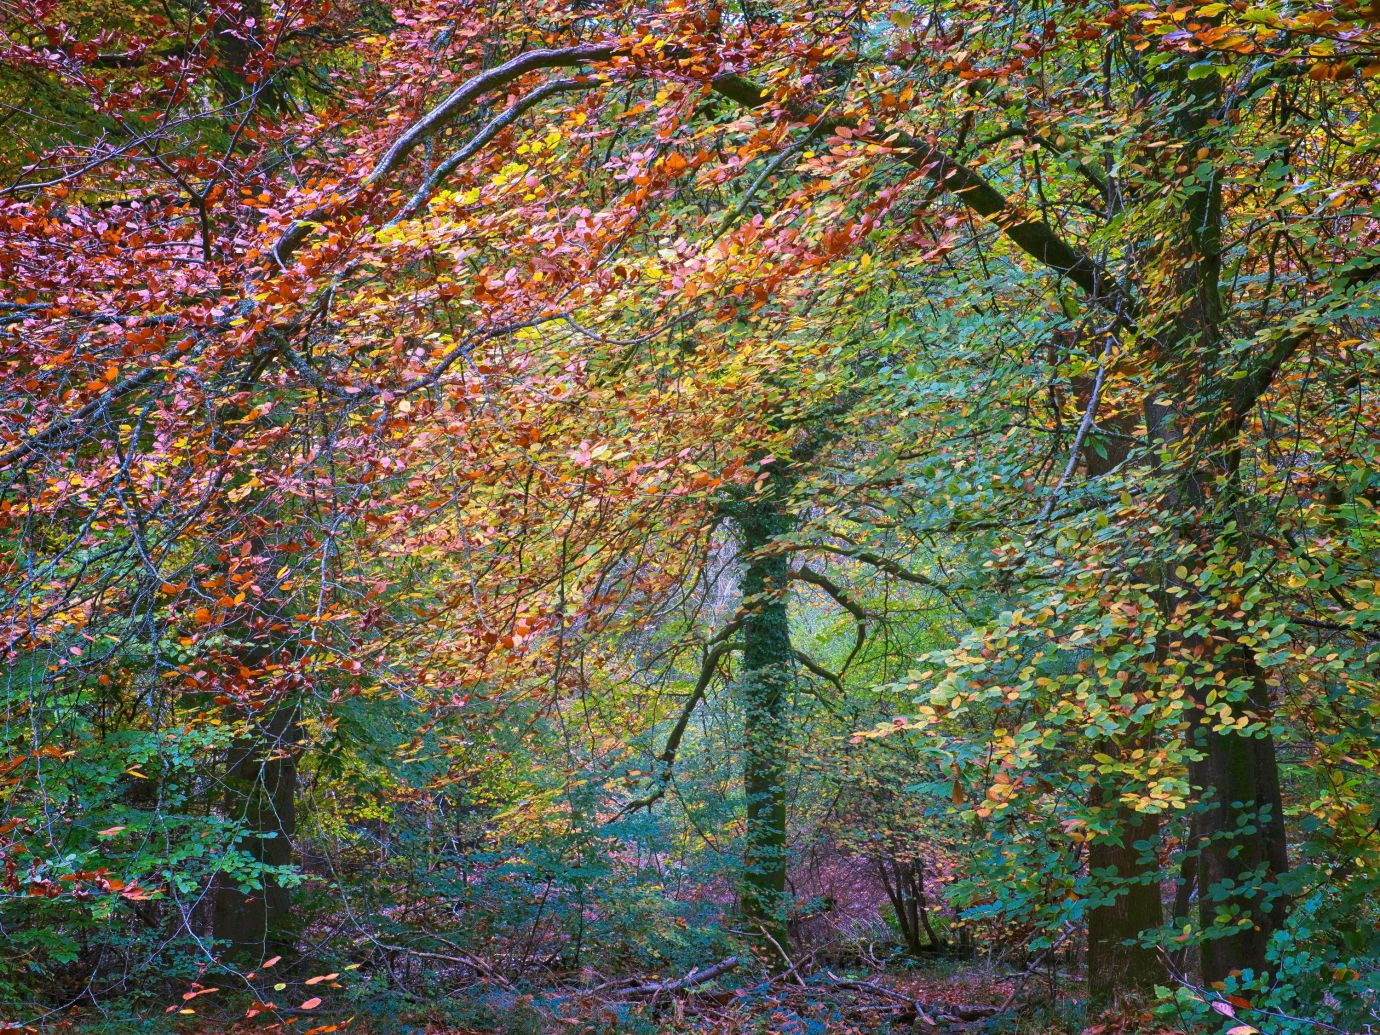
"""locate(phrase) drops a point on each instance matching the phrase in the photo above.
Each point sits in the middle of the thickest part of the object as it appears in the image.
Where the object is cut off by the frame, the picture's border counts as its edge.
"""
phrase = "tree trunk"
(1127, 876)
(235, 46)
(260, 792)
(1244, 851)
(1237, 777)
(904, 884)
(767, 670)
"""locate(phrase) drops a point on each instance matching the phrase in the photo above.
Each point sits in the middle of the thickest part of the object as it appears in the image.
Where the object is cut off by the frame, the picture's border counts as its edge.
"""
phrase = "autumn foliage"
(680, 515)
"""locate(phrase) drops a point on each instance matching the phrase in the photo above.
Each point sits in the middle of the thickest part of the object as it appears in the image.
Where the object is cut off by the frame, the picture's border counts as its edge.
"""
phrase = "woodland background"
(616, 515)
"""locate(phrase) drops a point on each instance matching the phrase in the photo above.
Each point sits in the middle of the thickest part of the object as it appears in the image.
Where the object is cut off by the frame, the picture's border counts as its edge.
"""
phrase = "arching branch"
(840, 596)
(492, 129)
(457, 103)
(1033, 236)
(814, 666)
(887, 565)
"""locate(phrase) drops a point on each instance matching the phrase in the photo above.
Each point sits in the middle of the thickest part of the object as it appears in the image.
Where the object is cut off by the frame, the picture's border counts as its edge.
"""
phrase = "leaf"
(319, 978)
(312, 1003)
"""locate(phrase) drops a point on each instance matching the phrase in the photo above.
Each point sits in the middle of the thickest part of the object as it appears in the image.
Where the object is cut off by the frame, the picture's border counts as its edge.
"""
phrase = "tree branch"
(1250, 388)
(886, 564)
(441, 116)
(494, 127)
(814, 666)
(1034, 237)
(667, 759)
(807, 574)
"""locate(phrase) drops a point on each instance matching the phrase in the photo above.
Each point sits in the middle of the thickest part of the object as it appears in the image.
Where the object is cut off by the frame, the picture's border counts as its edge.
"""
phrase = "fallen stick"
(889, 993)
(690, 980)
(970, 1013)
(465, 958)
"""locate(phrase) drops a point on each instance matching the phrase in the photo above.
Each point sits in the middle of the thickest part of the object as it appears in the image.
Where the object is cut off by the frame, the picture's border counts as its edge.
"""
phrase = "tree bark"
(261, 792)
(1117, 966)
(768, 664)
(1244, 848)
(1241, 827)
(1127, 877)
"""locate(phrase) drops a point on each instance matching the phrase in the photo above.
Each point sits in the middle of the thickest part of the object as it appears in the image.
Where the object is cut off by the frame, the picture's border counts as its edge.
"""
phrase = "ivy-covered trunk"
(764, 688)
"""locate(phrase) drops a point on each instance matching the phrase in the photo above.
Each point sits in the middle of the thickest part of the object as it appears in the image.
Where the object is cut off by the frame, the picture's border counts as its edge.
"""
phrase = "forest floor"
(944, 996)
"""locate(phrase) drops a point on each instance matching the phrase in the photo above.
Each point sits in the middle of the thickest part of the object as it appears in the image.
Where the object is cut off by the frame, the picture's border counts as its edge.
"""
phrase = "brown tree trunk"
(1244, 851)
(1241, 826)
(1126, 881)
(1126, 878)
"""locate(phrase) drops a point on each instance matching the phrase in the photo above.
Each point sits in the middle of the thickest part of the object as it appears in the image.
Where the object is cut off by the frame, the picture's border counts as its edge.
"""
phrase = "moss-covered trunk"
(764, 693)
